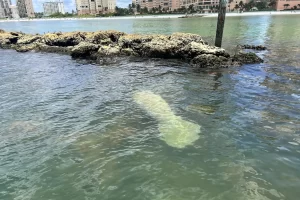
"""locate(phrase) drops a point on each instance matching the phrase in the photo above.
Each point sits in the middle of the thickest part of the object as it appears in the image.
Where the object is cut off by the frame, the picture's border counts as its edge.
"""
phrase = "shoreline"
(171, 16)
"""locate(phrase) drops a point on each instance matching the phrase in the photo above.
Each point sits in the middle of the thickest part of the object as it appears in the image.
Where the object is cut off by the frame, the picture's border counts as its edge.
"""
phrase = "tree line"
(133, 9)
(261, 5)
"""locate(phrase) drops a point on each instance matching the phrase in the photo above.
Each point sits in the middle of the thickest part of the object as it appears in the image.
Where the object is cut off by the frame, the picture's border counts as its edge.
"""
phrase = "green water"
(72, 130)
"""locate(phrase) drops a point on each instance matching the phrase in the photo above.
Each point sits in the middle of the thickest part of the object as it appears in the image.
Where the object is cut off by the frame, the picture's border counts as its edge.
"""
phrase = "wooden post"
(221, 22)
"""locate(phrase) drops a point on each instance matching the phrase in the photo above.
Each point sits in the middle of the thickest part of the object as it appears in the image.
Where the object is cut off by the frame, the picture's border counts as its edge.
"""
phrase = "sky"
(69, 4)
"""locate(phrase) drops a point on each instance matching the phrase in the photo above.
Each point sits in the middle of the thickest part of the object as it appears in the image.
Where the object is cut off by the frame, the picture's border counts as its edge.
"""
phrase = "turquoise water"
(72, 130)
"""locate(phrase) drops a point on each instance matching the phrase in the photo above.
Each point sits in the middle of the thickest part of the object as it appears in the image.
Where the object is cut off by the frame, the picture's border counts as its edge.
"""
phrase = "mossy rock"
(84, 49)
(247, 58)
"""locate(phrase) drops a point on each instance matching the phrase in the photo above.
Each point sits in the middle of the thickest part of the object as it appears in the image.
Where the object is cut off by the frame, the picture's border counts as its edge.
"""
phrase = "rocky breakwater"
(103, 44)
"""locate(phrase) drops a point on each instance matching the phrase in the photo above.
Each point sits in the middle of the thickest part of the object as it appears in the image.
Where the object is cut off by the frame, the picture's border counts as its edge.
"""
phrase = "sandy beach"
(231, 14)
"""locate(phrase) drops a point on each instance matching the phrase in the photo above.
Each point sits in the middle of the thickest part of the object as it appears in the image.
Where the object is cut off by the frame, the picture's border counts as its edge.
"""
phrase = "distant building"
(171, 5)
(25, 8)
(4, 9)
(162, 4)
(51, 8)
(14, 12)
(232, 4)
(95, 6)
(202, 5)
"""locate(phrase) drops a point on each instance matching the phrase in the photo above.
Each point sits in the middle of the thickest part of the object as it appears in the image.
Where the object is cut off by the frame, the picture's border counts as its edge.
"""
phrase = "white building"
(25, 8)
(14, 12)
(4, 9)
(51, 8)
(95, 6)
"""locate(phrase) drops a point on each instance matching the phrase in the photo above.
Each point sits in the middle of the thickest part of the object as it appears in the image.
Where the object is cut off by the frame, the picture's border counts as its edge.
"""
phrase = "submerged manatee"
(175, 131)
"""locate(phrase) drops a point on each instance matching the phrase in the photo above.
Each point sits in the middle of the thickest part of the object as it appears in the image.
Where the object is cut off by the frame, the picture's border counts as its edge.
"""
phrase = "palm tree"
(299, 5)
(286, 6)
(138, 8)
(236, 6)
(201, 9)
(241, 4)
(191, 8)
(272, 3)
(159, 8)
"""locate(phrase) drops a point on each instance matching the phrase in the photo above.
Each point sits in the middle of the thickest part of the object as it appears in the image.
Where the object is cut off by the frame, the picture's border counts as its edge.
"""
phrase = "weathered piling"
(221, 22)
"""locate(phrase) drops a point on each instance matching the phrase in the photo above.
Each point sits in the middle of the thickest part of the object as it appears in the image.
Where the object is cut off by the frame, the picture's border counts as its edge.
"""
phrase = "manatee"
(175, 131)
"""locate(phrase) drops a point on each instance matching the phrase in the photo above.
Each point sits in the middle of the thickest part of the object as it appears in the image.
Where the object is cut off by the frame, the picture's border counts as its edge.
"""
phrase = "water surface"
(71, 130)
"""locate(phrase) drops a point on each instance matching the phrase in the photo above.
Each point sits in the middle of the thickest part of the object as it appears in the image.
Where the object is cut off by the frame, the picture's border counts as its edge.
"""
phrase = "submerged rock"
(255, 47)
(201, 109)
(98, 45)
(175, 131)
(247, 58)
(210, 61)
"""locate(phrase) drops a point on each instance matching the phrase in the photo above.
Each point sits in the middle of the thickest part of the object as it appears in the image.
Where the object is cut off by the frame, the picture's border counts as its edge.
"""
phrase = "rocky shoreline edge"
(107, 44)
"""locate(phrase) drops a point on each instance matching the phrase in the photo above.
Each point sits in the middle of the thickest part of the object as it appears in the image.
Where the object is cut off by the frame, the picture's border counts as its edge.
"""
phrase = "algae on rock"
(100, 44)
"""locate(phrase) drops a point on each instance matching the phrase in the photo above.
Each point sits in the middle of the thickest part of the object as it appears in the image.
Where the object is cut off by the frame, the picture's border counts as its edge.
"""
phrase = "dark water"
(71, 130)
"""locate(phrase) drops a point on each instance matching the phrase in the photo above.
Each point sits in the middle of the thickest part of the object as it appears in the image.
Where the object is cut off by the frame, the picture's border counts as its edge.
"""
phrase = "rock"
(161, 47)
(247, 58)
(84, 49)
(53, 49)
(101, 44)
(210, 61)
(206, 109)
(134, 41)
(128, 52)
(194, 49)
(258, 47)
(27, 39)
(25, 48)
(105, 42)
(17, 33)
(103, 37)
(186, 38)
(7, 38)
(63, 39)
(109, 51)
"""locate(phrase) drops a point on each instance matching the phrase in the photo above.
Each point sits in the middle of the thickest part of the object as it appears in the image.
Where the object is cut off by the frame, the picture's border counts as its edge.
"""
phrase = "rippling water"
(71, 130)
